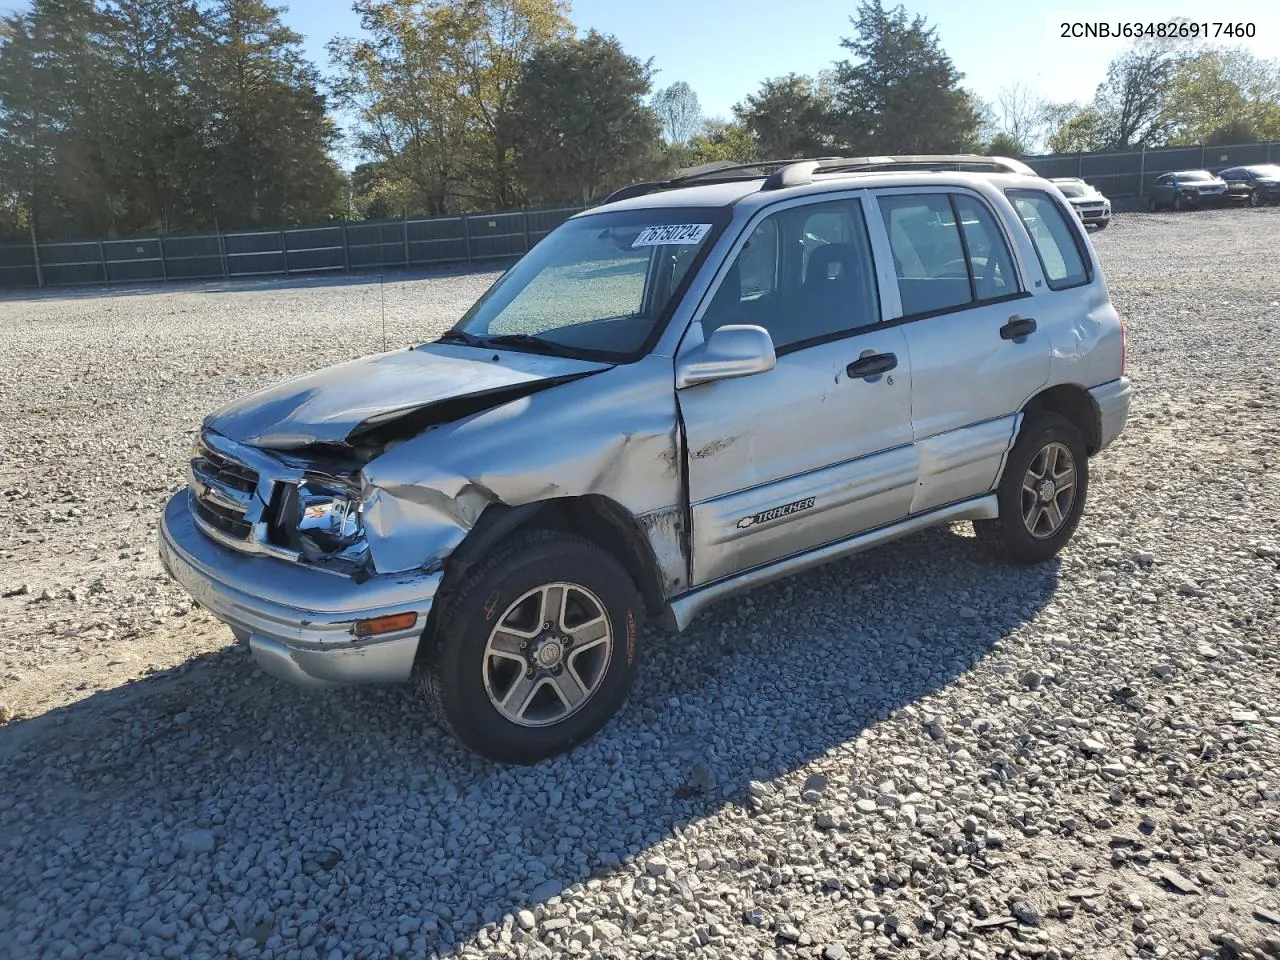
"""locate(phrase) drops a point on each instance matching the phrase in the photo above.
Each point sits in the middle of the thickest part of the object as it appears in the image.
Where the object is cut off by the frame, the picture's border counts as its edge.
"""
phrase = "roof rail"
(802, 171)
(716, 171)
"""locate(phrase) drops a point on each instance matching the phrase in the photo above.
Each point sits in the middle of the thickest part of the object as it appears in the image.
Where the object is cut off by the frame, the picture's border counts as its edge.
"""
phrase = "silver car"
(694, 388)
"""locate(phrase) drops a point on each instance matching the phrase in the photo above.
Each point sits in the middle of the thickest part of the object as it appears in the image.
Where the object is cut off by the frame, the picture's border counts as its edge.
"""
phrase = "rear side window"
(1056, 241)
(944, 261)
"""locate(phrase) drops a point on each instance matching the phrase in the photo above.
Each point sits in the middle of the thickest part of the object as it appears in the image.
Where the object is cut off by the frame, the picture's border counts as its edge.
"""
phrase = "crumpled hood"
(330, 405)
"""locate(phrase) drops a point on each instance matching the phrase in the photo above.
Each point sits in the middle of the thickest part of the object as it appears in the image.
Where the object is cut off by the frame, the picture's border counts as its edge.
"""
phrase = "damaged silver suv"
(697, 387)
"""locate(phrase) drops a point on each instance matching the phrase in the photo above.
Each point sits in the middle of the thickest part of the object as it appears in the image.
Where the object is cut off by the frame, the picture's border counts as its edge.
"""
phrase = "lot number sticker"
(672, 233)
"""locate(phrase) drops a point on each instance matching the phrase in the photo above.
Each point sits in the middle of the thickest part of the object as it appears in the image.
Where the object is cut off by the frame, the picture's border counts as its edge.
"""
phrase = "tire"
(1255, 198)
(1178, 202)
(465, 682)
(1009, 537)
(1102, 224)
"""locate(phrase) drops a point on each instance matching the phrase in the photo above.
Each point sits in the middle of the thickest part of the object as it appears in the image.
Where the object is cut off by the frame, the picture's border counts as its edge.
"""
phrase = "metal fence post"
(1142, 171)
(466, 234)
(405, 224)
(164, 267)
(35, 255)
(222, 251)
(527, 245)
(284, 253)
(1080, 165)
(346, 248)
(1202, 155)
(102, 259)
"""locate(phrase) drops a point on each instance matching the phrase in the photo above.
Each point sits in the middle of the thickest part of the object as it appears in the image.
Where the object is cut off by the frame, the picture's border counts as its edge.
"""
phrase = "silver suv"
(697, 387)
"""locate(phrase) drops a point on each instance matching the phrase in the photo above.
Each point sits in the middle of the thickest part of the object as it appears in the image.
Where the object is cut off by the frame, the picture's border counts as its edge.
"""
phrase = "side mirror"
(737, 350)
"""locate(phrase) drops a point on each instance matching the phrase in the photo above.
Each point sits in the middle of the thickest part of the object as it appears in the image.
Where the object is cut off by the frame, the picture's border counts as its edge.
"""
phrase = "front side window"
(600, 285)
(805, 274)
(1056, 242)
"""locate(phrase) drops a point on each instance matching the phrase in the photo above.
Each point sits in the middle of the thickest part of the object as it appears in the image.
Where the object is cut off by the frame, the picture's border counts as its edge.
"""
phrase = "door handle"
(872, 365)
(1017, 328)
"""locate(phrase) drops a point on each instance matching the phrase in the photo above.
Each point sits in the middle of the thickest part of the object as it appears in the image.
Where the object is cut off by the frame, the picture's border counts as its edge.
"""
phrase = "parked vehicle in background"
(1254, 184)
(699, 386)
(1186, 189)
(1093, 209)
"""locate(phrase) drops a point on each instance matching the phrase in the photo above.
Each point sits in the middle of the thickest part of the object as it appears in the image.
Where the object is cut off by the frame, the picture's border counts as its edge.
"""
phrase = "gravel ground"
(1078, 760)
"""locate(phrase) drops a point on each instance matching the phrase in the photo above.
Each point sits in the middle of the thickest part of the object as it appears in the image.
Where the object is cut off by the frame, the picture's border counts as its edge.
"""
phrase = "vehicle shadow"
(363, 789)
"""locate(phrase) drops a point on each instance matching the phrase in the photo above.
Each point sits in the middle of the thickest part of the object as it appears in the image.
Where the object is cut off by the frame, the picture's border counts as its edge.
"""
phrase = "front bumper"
(297, 620)
(1113, 400)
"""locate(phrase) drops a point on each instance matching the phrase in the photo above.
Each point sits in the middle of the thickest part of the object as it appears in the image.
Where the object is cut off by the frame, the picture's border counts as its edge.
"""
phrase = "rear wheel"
(1041, 494)
(536, 650)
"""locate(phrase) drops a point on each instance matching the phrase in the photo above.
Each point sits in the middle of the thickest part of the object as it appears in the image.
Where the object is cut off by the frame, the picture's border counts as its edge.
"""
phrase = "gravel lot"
(914, 753)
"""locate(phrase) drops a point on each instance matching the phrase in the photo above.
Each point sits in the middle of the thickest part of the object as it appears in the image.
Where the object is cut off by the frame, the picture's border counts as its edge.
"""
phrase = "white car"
(1093, 209)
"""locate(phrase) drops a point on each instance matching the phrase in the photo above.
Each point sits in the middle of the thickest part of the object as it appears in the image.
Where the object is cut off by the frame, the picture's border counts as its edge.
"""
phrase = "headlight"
(322, 520)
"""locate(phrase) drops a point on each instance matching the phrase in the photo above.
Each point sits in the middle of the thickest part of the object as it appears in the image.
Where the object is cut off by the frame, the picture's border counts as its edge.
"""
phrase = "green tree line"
(126, 116)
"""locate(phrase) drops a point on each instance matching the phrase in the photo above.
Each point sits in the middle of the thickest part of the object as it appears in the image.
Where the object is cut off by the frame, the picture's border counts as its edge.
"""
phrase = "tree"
(1222, 95)
(579, 117)
(723, 140)
(1132, 103)
(902, 94)
(267, 135)
(679, 113)
(788, 117)
(1079, 132)
(431, 85)
(1021, 117)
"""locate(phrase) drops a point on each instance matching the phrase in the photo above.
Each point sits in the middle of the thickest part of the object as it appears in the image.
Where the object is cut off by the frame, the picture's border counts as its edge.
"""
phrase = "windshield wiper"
(532, 343)
(461, 336)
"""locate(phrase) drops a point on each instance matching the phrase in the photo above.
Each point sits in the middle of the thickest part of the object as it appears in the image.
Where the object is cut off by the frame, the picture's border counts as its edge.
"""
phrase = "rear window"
(1056, 241)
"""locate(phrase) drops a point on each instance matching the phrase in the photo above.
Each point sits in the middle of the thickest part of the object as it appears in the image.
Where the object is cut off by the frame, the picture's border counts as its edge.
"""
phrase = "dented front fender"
(615, 434)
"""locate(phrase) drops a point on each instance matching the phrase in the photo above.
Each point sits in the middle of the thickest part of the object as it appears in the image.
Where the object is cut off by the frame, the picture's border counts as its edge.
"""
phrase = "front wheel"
(1041, 494)
(1255, 198)
(536, 650)
(1178, 203)
(1102, 224)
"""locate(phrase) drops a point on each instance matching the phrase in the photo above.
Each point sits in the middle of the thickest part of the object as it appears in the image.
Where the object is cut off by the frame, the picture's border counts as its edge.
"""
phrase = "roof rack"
(778, 174)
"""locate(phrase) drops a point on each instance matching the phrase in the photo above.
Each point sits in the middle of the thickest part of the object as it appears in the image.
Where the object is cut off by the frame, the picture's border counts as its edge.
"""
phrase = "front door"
(819, 448)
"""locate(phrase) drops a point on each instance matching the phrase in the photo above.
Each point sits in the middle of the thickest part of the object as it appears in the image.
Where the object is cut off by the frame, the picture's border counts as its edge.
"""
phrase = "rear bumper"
(1113, 409)
(298, 621)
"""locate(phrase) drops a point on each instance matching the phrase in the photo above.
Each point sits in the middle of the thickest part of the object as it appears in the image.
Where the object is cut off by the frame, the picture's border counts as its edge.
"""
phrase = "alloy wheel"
(547, 654)
(1048, 490)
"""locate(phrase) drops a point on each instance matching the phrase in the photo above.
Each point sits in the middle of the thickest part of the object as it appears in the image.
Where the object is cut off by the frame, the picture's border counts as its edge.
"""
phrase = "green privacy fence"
(405, 244)
(1130, 173)
(337, 248)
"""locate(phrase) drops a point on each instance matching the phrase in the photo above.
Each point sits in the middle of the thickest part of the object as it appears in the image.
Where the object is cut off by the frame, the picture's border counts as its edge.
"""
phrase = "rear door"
(977, 350)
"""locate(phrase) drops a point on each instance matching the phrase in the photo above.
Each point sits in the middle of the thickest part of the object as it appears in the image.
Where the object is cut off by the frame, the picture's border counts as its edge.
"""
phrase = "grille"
(222, 493)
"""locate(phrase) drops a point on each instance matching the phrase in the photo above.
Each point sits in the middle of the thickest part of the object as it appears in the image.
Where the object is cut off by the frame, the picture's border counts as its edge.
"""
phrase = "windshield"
(1076, 189)
(1195, 176)
(599, 285)
(1268, 171)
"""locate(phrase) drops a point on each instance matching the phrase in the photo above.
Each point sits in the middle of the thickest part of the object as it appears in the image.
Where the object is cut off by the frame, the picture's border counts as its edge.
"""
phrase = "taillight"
(1124, 347)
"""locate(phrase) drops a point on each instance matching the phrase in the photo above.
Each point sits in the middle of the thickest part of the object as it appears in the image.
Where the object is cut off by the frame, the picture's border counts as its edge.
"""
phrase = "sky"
(724, 48)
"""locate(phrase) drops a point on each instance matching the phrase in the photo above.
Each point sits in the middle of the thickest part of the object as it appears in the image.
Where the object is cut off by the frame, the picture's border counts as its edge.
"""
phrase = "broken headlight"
(323, 520)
